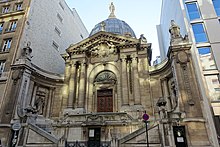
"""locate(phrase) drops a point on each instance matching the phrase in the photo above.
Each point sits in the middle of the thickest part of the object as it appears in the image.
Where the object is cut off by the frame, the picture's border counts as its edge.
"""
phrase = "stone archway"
(102, 78)
(104, 84)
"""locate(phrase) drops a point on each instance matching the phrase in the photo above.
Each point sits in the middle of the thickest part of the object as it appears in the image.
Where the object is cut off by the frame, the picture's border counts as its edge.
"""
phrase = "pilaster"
(72, 85)
(82, 85)
(137, 97)
(166, 94)
(124, 80)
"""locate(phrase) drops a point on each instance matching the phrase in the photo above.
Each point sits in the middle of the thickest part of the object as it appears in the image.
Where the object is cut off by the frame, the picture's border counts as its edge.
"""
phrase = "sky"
(141, 15)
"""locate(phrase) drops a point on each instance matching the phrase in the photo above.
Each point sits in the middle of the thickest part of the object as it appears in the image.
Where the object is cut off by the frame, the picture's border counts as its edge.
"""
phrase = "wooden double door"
(105, 100)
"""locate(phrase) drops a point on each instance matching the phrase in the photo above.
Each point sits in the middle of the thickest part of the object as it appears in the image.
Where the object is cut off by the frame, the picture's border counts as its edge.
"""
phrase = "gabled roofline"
(110, 36)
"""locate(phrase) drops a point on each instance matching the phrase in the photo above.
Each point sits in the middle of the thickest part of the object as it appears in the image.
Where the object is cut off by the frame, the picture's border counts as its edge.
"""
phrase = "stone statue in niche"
(40, 100)
(39, 105)
(173, 88)
(173, 92)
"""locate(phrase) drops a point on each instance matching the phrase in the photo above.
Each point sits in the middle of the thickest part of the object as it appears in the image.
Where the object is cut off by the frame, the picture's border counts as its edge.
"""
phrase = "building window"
(18, 7)
(57, 31)
(61, 5)
(55, 45)
(5, 9)
(2, 66)
(1, 26)
(217, 117)
(12, 26)
(206, 58)
(216, 4)
(199, 33)
(204, 50)
(6, 45)
(81, 36)
(217, 89)
(59, 17)
(193, 11)
(213, 87)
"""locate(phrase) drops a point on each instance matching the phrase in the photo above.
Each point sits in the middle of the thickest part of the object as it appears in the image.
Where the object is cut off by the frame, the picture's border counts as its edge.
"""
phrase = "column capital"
(83, 62)
(73, 62)
(134, 56)
(123, 58)
(164, 79)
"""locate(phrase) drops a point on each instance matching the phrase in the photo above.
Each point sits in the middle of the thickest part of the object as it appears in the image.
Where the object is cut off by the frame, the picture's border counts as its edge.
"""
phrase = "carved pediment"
(105, 47)
(102, 49)
(101, 44)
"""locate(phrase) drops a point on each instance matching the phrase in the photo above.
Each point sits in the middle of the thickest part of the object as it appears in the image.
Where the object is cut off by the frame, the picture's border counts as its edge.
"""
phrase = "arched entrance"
(105, 84)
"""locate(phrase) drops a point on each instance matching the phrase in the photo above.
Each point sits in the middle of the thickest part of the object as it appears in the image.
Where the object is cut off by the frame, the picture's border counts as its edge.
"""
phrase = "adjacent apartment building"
(200, 20)
(51, 26)
(47, 26)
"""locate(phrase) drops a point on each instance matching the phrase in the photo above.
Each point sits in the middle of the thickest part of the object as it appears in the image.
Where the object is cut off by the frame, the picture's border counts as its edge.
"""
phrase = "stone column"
(124, 81)
(72, 85)
(166, 94)
(49, 102)
(82, 85)
(137, 97)
(65, 89)
(29, 94)
(34, 94)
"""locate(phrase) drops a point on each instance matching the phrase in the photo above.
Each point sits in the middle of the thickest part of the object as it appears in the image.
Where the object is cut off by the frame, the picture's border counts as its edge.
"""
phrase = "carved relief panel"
(103, 51)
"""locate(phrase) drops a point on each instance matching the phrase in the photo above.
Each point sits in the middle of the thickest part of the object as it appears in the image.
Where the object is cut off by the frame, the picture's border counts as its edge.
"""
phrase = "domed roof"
(113, 25)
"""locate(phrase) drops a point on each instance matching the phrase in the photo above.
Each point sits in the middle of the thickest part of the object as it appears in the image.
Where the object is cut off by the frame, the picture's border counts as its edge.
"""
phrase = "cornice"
(11, 14)
(162, 67)
(99, 38)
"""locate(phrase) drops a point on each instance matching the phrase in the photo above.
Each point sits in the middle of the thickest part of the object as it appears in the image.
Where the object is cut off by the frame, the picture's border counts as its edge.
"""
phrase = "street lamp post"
(145, 118)
(146, 122)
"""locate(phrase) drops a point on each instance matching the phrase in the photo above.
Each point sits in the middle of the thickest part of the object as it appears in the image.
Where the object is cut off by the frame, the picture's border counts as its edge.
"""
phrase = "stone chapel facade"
(107, 87)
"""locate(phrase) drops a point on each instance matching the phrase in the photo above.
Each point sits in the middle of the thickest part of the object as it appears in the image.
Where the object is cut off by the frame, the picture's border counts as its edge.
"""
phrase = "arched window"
(105, 77)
